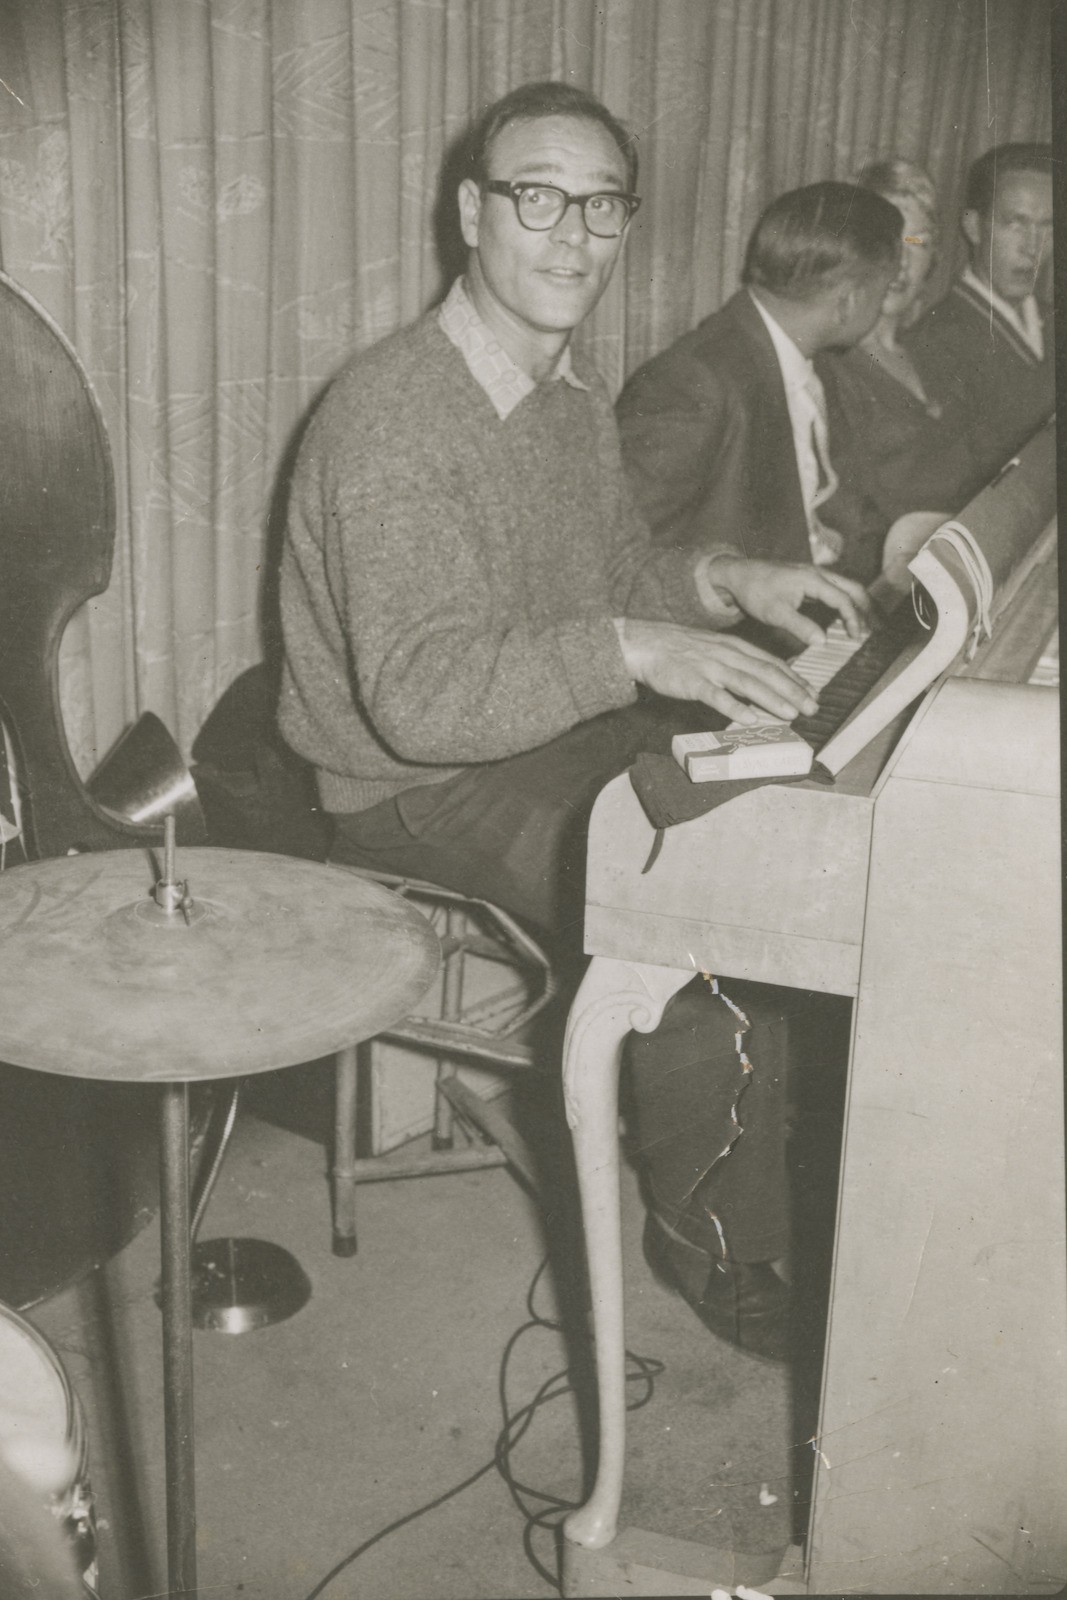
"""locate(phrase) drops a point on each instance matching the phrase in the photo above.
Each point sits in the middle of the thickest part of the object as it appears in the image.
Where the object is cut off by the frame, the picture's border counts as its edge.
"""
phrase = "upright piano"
(923, 883)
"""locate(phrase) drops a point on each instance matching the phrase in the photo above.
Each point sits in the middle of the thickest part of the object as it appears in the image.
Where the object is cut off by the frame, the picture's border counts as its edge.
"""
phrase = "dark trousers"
(709, 1126)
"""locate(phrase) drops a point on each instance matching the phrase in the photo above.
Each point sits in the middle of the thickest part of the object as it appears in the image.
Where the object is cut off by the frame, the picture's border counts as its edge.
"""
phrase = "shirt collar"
(1025, 317)
(797, 371)
(505, 383)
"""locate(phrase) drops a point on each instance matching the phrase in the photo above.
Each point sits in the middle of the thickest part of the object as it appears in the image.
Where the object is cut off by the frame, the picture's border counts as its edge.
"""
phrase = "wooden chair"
(259, 795)
(487, 1032)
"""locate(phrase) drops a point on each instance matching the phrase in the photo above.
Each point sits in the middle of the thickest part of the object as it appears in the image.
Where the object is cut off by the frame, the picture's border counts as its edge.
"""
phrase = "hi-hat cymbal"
(276, 961)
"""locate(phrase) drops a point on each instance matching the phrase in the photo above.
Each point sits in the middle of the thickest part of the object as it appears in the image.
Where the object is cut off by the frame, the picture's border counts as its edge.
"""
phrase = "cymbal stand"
(281, 961)
(235, 1285)
(172, 898)
(177, 1339)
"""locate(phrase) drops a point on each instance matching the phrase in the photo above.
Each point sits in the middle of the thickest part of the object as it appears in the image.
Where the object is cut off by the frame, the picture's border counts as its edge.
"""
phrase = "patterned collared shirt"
(490, 365)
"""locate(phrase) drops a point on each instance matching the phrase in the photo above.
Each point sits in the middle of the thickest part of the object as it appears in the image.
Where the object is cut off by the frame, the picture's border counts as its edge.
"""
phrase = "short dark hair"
(996, 163)
(545, 99)
(811, 239)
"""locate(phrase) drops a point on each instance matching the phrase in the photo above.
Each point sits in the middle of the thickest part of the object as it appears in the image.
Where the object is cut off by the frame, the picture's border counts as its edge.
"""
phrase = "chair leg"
(343, 1175)
(443, 1137)
(496, 1125)
(452, 1097)
(451, 1011)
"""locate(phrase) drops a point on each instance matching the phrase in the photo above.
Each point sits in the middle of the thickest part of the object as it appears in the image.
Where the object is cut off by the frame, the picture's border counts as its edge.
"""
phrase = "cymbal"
(275, 961)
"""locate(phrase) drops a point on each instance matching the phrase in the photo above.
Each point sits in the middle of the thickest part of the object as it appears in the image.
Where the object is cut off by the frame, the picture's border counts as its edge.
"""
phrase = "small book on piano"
(761, 750)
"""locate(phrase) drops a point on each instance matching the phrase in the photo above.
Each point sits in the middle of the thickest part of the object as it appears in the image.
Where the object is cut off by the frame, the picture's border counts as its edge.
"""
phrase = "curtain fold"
(219, 200)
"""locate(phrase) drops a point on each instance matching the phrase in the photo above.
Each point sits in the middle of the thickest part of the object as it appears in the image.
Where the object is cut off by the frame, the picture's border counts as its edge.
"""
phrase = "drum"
(42, 1436)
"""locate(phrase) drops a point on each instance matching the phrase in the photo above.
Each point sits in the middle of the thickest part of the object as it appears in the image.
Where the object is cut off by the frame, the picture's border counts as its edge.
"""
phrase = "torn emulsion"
(737, 1125)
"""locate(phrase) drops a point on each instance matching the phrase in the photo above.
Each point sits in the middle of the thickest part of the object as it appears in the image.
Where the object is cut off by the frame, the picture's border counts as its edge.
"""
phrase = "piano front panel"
(956, 738)
(942, 1446)
(770, 887)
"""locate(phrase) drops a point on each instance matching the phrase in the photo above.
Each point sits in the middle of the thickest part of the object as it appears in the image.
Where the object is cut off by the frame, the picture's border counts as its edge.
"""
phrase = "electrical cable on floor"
(640, 1369)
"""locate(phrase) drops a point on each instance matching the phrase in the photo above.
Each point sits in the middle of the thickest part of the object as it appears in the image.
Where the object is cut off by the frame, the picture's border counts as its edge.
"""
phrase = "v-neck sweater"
(449, 579)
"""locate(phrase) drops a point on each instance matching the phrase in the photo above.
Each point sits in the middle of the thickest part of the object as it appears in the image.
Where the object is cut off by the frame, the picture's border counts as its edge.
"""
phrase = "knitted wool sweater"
(448, 578)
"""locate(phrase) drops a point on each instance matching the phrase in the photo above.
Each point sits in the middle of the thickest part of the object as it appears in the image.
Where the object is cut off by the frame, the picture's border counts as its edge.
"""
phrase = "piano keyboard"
(842, 671)
(1011, 526)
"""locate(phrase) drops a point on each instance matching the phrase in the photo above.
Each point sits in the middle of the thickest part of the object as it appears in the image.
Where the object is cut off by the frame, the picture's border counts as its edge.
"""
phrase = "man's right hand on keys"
(728, 674)
(773, 592)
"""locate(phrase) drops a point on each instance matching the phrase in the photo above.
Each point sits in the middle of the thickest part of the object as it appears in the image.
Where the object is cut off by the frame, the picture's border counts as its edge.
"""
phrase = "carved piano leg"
(614, 997)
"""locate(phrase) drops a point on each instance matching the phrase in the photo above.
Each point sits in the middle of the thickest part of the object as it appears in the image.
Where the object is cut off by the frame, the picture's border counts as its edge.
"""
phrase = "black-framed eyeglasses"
(539, 206)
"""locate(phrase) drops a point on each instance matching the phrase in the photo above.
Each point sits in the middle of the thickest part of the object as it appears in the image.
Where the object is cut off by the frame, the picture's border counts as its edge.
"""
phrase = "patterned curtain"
(218, 200)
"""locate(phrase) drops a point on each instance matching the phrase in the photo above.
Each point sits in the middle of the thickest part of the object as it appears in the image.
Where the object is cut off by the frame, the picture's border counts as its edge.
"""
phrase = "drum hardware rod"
(170, 893)
(177, 1340)
(235, 1285)
(204, 1186)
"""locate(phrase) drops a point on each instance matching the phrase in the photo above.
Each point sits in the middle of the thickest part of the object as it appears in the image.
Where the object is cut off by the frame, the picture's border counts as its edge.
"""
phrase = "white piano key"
(820, 662)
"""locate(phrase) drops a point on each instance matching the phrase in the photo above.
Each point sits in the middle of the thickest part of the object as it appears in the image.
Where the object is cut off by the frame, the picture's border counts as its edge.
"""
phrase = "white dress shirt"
(807, 415)
(1025, 318)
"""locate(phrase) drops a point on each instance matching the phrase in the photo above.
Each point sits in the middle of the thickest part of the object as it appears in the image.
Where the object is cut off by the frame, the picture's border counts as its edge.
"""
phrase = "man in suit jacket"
(986, 352)
(724, 433)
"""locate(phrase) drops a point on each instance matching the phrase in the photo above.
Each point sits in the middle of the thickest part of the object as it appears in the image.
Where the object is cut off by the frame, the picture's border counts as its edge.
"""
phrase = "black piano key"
(840, 697)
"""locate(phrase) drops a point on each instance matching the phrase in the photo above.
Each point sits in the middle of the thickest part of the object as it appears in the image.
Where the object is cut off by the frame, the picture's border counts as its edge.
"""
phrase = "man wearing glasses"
(471, 602)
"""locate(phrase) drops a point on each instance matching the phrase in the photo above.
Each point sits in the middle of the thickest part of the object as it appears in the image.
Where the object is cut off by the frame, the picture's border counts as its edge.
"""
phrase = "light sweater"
(449, 578)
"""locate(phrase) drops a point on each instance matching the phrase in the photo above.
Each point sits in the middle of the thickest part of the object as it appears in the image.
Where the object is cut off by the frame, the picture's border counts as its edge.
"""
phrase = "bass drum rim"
(72, 1503)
